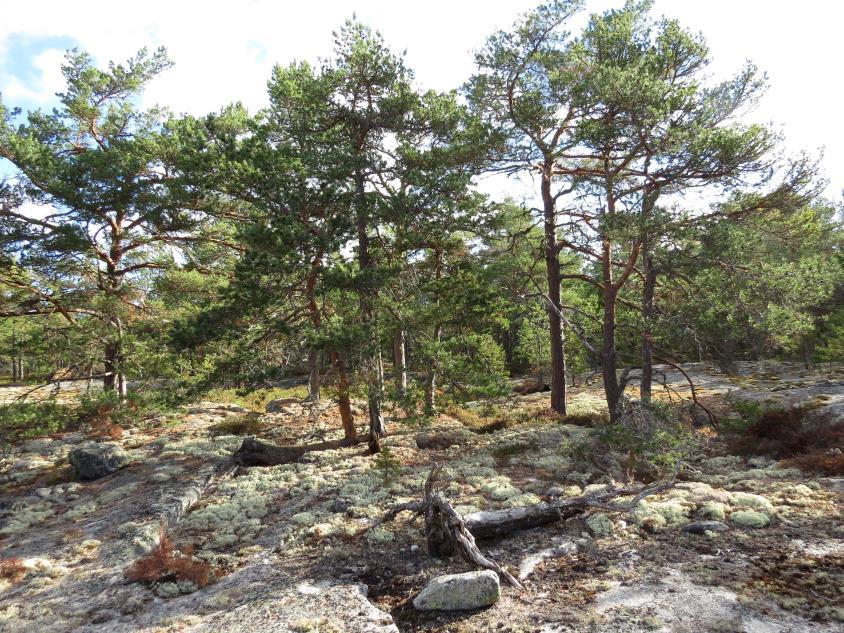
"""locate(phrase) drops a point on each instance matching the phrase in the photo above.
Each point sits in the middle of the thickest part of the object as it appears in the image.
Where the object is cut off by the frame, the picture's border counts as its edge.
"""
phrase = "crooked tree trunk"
(400, 362)
(552, 266)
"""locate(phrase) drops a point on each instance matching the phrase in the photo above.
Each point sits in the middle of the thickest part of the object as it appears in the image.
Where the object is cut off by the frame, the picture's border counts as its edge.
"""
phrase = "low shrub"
(26, 420)
(257, 399)
(786, 434)
(387, 465)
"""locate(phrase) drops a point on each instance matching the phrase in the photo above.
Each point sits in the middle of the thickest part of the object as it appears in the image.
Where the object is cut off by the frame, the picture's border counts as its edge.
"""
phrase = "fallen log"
(176, 506)
(447, 532)
(254, 452)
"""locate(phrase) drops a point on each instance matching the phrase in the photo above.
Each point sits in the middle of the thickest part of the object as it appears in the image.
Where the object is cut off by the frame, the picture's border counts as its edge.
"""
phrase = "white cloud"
(224, 52)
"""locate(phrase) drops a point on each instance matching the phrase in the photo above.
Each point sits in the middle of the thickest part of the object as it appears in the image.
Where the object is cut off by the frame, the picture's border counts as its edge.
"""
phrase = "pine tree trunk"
(400, 362)
(314, 357)
(345, 403)
(373, 363)
(430, 407)
(608, 353)
(552, 266)
(650, 273)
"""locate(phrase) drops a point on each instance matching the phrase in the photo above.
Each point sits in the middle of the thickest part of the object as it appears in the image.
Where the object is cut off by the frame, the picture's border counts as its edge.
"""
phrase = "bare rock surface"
(295, 547)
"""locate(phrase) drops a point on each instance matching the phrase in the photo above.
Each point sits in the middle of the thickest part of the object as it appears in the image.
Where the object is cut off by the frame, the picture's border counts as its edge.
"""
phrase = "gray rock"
(340, 505)
(93, 461)
(279, 405)
(457, 592)
(702, 527)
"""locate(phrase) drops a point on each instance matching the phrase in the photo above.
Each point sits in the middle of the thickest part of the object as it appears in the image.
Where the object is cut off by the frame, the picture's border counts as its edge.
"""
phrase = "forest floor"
(293, 547)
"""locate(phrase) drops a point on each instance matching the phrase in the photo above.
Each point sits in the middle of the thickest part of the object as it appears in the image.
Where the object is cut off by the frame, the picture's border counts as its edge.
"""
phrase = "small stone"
(93, 461)
(458, 592)
(702, 527)
(303, 518)
(340, 505)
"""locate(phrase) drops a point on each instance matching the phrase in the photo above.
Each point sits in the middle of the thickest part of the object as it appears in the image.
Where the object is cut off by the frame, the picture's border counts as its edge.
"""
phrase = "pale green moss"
(21, 516)
(81, 510)
(379, 535)
(750, 519)
(522, 500)
(655, 514)
(600, 524)
(752, 501)
(713, 510)
(500, 489)
(118, 493)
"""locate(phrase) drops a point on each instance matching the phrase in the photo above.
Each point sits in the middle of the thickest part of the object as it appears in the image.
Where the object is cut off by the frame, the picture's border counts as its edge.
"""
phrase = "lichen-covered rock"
(750, 518)
(457, 592)
(93, 461)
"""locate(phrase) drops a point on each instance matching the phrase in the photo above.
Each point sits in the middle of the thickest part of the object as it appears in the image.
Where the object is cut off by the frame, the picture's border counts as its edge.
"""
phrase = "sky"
(224, 51)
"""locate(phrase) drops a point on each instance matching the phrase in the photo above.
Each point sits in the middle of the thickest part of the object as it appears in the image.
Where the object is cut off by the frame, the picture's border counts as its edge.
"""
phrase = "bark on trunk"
(345, 402)
(400, 362)
(552, 266)
(650, 273)
(373, 364)
(431, 380)
(608, 354)
(314, 357)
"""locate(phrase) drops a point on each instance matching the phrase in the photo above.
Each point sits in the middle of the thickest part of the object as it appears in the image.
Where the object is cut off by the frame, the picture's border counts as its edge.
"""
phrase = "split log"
(253, 452)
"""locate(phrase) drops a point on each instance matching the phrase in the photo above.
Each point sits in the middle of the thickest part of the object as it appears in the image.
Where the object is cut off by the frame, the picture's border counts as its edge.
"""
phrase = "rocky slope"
(293, 547)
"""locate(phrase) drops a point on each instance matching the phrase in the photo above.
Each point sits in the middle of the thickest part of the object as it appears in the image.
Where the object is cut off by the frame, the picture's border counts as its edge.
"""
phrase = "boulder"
(93, 461)
(458, 592)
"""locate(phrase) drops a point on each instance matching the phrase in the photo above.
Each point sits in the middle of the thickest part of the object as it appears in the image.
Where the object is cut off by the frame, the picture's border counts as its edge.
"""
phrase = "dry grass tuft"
(165, 564)
(12, 569)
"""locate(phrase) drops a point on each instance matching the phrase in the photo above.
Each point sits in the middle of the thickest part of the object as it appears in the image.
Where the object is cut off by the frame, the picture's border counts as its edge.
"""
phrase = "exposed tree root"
(253, 452)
